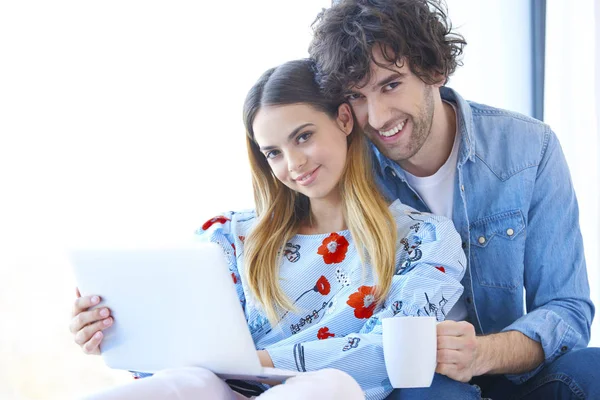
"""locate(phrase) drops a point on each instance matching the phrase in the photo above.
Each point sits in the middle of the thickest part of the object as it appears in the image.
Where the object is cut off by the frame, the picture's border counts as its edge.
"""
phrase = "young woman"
(324, 256)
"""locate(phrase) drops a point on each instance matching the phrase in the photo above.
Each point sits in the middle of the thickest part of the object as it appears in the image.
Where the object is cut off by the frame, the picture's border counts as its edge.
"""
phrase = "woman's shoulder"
(409, 219)
(231, 221)
(401, 211)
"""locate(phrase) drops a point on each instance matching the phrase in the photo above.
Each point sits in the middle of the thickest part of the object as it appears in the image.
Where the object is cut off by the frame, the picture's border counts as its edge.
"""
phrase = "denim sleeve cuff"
(287, 357)
(547, 328)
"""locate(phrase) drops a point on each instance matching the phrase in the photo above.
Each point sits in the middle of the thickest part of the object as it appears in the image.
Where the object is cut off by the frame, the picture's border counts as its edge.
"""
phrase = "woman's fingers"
(83, 303)
(92, 346)
(84, 318)
(87, 325)
(87, 334)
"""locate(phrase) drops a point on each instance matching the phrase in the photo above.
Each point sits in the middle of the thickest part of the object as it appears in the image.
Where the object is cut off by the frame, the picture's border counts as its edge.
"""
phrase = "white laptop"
(172, 308)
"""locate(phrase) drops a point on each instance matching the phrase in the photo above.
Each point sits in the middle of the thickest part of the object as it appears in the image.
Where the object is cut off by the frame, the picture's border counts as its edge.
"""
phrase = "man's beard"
(421, 127)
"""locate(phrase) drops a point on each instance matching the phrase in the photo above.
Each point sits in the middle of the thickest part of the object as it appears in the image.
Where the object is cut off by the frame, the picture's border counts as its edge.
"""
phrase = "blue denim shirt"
(516, 211)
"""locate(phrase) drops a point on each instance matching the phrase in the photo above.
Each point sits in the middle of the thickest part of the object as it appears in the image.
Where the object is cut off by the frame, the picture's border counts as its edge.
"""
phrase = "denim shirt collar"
(464, 120)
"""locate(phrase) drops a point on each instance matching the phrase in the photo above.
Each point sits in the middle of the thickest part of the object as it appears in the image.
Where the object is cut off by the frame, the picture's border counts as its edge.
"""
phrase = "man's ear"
(440, 80)
(345, 119)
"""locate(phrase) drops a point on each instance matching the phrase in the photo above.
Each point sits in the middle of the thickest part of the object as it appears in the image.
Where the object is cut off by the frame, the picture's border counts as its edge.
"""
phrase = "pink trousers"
(198, 383)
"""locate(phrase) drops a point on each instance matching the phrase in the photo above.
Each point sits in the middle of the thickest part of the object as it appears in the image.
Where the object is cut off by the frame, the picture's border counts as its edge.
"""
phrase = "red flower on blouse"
(324, 333)
(220, 219)
(333, 249)
(363, 302)
(441, 269)
(322, 286)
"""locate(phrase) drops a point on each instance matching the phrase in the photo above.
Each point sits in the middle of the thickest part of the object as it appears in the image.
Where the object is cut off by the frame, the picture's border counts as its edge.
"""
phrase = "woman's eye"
(271, 154)
(390, 86)
(304, 137)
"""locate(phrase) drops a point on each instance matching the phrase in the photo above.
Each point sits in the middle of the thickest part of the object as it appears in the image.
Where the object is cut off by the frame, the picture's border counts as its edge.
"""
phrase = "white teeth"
(306, 177)
(394, 130)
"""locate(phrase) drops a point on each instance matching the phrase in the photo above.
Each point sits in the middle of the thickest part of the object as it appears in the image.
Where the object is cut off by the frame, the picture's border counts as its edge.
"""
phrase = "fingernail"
(95, 299)
(104, 312)
(107, 321)
(98, 335)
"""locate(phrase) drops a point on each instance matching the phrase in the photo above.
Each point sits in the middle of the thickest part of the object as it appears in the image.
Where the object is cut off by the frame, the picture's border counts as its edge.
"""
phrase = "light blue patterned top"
(336, 324)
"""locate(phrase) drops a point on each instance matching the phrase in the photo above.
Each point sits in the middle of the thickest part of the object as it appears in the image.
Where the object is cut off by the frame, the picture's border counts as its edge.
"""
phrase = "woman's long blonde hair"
(280, 210)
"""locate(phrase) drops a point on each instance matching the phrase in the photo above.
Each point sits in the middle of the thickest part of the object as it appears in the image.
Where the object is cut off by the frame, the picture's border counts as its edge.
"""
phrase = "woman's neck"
(326, 216)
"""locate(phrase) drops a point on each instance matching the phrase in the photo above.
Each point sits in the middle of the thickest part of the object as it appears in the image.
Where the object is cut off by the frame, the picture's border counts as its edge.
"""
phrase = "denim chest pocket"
(497, 249)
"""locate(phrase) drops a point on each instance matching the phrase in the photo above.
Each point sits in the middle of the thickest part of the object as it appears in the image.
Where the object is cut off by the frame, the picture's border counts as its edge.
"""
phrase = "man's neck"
(438, 146)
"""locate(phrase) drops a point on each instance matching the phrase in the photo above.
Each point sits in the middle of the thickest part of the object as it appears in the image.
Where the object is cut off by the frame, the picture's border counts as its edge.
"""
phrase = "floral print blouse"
(337, 323)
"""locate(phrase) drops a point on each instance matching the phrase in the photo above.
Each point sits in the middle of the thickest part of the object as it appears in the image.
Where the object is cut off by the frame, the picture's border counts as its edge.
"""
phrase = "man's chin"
(393, 154)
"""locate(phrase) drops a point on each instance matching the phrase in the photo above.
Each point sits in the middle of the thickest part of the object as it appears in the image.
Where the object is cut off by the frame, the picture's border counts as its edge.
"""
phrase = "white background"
(120, 123)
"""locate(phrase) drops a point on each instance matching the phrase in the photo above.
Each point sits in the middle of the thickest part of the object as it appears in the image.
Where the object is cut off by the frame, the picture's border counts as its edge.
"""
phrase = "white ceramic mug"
(410, 350)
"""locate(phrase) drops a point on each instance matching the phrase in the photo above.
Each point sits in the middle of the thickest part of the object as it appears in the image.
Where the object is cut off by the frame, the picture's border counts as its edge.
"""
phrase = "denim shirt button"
(564, 349)
(468, 300)
(392, 172)
(462, 188)
(510, 232)
(481, 240)
(464, 245)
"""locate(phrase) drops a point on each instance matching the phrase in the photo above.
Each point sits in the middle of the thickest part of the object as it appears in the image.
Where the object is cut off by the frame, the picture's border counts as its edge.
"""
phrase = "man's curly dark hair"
(414, 30)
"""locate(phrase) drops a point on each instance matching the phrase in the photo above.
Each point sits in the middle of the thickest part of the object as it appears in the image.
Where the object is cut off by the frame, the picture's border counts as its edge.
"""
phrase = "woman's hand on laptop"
(87, 325)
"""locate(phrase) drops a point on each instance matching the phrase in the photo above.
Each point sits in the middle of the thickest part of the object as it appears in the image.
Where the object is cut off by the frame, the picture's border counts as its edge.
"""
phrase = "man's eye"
(272, 154)
(353, 96)
(304, 137)
(390, 86)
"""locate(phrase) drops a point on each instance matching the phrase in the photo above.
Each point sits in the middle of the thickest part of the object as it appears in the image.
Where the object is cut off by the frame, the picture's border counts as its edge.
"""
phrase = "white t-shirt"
(437, 191)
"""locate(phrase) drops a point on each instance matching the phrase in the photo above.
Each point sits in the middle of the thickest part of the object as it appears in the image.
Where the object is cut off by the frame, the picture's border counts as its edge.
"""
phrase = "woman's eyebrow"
(290, 136)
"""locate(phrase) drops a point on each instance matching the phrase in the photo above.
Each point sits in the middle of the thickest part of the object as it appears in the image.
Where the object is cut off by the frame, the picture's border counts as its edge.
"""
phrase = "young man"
(500, 176)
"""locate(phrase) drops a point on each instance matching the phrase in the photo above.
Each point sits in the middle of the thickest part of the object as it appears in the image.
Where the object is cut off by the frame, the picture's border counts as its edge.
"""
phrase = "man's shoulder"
(493, 129)
(507, 141)
(483, 113)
